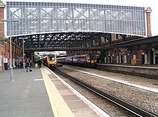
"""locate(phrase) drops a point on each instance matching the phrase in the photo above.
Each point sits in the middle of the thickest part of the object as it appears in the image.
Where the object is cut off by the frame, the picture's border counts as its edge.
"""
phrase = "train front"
(52, 62)
(91, 60)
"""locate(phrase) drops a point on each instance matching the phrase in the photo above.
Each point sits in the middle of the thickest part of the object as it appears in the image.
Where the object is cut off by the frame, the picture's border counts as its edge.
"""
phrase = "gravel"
(139, 97)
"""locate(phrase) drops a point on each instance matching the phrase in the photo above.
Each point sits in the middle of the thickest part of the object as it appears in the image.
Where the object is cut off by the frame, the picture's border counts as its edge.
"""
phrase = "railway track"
(123, 104)
(142, 71)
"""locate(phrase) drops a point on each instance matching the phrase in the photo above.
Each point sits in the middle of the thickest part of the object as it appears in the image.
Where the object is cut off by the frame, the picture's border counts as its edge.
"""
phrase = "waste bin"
(6, 66)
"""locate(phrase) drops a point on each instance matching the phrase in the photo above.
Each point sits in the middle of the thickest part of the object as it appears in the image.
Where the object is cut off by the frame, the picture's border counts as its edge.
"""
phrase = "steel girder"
(56, 26)
(61, 41)
(37, 17)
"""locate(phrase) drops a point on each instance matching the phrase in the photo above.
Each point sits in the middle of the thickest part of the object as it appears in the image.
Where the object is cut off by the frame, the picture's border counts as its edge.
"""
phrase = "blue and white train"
(86, 60)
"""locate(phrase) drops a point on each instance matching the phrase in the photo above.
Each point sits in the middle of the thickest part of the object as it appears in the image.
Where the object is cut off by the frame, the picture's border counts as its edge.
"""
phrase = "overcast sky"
(143, 3)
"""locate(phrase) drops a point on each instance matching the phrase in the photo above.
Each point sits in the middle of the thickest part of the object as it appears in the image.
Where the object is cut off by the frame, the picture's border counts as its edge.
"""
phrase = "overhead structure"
(65, 25)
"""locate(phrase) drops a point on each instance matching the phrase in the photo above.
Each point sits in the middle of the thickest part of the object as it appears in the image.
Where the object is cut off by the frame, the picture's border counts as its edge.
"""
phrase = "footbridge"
(51, 26)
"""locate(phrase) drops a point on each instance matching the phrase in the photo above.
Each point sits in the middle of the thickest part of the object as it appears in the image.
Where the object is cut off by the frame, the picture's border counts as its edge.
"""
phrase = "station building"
(136, 26)
(5, 45)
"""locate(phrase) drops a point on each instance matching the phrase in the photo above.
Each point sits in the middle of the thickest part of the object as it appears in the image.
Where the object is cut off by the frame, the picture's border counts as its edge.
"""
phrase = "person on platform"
(39, 63)
(21, 64)
(27, 65)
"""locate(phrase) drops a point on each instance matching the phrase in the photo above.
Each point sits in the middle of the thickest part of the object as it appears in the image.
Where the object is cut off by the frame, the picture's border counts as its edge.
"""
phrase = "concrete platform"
(39, 94)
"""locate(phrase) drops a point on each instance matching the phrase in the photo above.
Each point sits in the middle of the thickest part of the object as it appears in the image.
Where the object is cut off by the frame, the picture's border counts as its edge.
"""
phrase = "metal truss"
(61, 41)
(61, 25)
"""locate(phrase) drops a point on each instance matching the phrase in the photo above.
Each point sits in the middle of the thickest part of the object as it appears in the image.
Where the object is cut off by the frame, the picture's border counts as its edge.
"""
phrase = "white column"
(104, 59)
(125, 59)
(154, 57)
(119, 58)
(146, 59)
(134, 57)
(13, 63)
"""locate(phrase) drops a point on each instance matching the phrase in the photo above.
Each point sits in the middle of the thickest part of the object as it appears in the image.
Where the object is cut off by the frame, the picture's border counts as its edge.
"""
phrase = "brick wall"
(2, 51)
(1, 22)
(4, 47)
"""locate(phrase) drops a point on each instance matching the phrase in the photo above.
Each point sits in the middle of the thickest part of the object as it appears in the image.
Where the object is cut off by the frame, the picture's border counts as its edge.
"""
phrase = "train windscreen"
(52, 58)
(91, 57)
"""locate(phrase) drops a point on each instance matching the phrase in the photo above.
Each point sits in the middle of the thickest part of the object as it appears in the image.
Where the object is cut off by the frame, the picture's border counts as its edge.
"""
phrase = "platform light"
(23, 38)
(10, 40)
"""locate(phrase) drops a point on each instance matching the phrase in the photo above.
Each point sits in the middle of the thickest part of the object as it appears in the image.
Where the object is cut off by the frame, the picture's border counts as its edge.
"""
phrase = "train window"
(51, 58)
(93, 57)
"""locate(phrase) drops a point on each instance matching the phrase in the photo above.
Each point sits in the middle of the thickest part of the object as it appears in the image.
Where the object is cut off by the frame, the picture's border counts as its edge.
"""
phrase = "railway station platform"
(39, 94)
(150, 71)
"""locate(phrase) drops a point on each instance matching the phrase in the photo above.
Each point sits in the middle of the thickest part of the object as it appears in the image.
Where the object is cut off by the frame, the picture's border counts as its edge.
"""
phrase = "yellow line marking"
(58, 105)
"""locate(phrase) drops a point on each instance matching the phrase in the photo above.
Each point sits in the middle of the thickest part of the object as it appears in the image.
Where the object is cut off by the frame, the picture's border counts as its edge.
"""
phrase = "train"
(85, 60)
(50, 61)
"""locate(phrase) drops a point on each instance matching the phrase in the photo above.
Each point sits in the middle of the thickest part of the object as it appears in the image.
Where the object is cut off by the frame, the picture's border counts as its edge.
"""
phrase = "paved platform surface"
(39, 93)
(25, 97)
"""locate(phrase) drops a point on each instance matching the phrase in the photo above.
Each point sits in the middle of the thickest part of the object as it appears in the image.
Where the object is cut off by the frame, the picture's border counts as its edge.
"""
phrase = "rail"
(129, 107)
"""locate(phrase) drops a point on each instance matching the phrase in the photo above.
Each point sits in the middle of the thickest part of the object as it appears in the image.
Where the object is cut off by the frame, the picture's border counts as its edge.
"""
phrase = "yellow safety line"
(58, 105)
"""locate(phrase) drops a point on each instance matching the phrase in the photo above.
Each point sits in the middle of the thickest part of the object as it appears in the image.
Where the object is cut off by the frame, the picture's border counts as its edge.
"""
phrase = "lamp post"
(23, 55)
(10, 41)
(23, 41)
